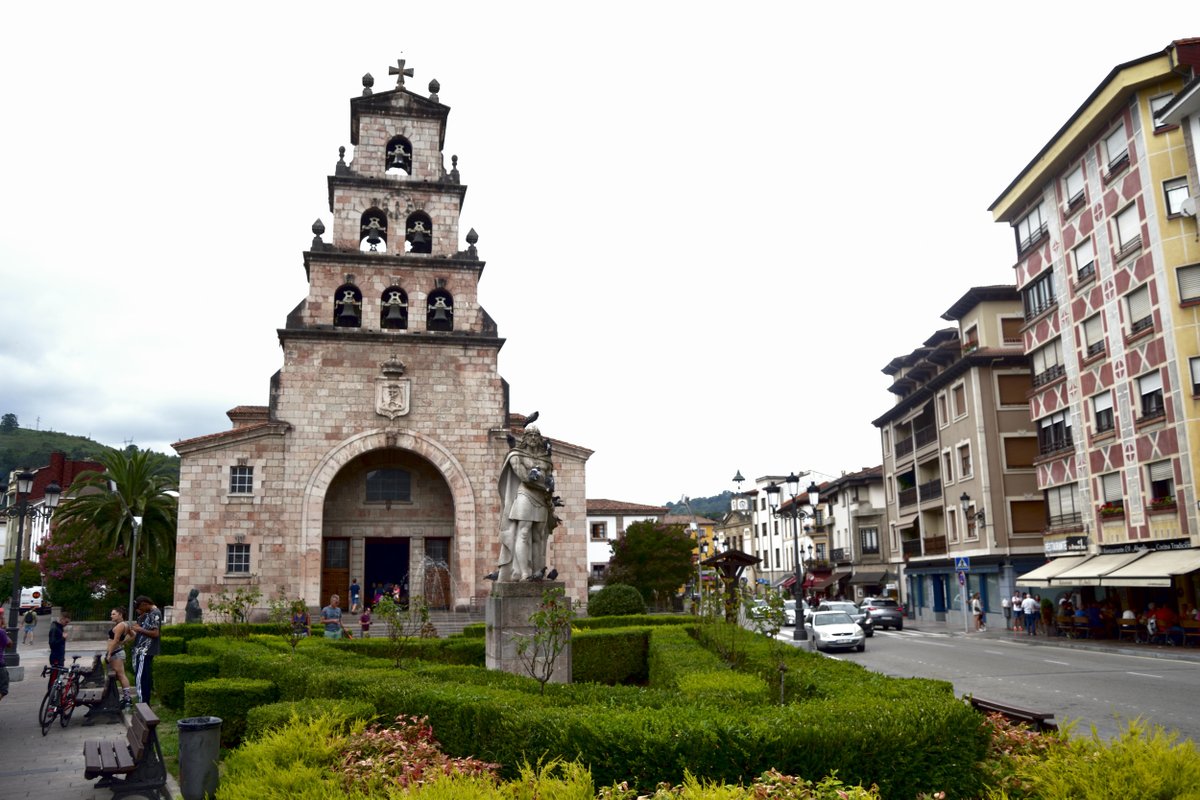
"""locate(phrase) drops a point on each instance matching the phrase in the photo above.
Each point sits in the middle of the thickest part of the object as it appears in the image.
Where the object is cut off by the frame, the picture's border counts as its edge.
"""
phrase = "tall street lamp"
(21, 509)
(799, 633)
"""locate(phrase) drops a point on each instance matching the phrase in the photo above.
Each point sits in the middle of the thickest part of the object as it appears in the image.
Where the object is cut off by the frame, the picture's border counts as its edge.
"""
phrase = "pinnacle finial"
(368, 81)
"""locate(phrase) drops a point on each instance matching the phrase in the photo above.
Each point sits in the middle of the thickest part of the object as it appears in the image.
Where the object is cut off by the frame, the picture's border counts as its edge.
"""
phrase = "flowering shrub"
(1162, 502)
(406, 754)
(1112, 510)
(771, 785)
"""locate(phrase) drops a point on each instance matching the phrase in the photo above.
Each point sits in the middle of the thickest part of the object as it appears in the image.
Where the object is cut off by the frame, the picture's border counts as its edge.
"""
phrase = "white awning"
(1155, 570)
(1041, 576)
(1092, 571)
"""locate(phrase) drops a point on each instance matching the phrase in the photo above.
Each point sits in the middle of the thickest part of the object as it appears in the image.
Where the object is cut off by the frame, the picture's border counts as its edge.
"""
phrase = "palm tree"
(133, 484)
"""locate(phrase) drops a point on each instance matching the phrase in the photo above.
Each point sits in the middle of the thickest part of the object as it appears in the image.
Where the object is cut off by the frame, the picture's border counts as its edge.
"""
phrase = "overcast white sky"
(707, 226)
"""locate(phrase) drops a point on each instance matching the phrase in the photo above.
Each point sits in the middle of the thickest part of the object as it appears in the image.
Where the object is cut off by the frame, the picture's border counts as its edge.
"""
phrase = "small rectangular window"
(237, 559)
(1054, 433)
(1074, 185)
(964, 460)
(1189, 282)
(1110, 489)
(388, 486)
(1141, 316)
(1150, 387)
(947, 467)
(1062, 505)
(1175, 191)
(1102, 410)
(1010, 330)
(960, 400)
(1020, 451)
(1030, 229)
(869, 537)
(1093, 335)
(1038, 295)
(599, 531)
(1084, 256)
(1129, 228)
(1047, 363)
(1116, 149)
(1157, 104)
(1194, 368)
(1162, 482)
(241, 480)
(1013, 389)
(943, 417)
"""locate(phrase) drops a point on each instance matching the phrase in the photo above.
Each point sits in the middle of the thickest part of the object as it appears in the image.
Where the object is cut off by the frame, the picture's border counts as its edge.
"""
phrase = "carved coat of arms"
(392, 391)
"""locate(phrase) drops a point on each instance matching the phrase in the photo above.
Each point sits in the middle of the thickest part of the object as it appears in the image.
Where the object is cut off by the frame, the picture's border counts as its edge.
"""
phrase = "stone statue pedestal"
(509, 607)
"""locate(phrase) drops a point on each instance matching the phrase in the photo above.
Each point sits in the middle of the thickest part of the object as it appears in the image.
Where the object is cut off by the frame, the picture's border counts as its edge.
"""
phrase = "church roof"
(598, 508)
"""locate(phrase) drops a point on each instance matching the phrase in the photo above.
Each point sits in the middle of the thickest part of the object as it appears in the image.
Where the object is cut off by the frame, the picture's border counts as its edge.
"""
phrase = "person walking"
(146, 646)
(331, 618)
(977, 610)
(30, 624)
(118, 635)
(1006, 607)
(355, 596)
(1018, 613)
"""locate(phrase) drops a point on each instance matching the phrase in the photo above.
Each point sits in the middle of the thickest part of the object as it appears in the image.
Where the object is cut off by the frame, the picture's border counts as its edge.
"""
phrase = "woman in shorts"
(118, 634)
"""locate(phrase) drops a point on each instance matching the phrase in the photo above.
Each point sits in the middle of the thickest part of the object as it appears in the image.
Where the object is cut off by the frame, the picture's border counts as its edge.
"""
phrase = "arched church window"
(389, 486)
(440, 314)
(399, 156)
(418, 232)
(372, 236)
(347, 306)
(393, 309)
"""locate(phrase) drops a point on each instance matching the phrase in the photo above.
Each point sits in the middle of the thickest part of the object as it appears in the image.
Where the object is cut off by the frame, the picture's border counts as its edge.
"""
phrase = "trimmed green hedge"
(173, 673)
(610, 656)
(276, 715)
(172, 645)
(230, 699)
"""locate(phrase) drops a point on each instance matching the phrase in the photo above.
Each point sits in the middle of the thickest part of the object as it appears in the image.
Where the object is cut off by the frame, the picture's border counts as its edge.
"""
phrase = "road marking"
(1144, 675)
(1052, 661)
(995, 653)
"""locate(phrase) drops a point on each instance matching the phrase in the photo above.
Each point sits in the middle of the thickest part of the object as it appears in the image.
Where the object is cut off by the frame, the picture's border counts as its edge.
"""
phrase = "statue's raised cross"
(400, 72)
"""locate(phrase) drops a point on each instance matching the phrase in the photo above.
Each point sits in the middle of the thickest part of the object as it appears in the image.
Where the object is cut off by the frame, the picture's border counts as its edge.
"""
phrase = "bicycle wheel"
(46, 712)
(67, 707)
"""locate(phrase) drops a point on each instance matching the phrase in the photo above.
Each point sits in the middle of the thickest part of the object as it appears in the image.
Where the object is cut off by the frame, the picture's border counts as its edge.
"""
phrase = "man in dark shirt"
(58, 643)
(4, 641)
(145, 646)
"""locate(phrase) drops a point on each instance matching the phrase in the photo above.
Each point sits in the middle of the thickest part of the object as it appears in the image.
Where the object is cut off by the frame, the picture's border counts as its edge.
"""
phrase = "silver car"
(828, 630)
(885, 612)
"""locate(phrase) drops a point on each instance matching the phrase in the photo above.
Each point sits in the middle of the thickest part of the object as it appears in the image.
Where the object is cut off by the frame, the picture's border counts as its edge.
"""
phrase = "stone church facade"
(378, 455)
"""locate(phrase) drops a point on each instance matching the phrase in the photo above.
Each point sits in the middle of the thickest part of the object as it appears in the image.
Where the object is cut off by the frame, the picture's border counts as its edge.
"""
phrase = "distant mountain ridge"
(713, 507)
(21, 448)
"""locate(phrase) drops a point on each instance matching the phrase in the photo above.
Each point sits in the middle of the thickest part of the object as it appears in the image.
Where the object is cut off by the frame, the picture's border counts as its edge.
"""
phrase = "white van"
(34, 597)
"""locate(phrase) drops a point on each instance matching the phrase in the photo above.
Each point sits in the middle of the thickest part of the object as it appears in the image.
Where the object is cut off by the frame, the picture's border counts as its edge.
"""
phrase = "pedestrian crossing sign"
(962, 563)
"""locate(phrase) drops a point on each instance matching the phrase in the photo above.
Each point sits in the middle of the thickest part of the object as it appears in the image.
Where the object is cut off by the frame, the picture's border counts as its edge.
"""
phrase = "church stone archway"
(439, 524)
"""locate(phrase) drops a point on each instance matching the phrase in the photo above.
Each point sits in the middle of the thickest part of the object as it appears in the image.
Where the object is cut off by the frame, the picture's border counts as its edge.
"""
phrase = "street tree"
(8, 423)
(655, 559)
(133, 484)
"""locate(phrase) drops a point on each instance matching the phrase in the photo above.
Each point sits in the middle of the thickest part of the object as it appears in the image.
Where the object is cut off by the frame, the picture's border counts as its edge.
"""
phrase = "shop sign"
(1131, 547)
(1067, 544)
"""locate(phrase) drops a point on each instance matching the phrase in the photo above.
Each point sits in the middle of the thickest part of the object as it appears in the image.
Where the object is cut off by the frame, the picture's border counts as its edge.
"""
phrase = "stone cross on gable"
(400, 72)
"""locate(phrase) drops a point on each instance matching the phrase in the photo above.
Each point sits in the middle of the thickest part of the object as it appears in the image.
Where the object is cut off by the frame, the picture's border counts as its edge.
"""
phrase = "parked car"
(789, 611)
(34, 598)
(860, 617)
(834, 629)
(884, 611)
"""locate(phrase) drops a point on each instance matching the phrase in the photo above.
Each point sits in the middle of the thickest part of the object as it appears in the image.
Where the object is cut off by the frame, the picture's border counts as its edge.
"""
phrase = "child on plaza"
(365, 621)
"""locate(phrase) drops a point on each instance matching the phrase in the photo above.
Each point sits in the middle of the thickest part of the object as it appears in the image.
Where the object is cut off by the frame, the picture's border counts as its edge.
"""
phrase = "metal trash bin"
(199, 751)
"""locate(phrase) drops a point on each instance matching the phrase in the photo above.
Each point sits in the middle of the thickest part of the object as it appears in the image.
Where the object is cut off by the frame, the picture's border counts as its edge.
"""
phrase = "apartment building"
(960, 490)
(857, 524)
(1108, 267)
(606, 521)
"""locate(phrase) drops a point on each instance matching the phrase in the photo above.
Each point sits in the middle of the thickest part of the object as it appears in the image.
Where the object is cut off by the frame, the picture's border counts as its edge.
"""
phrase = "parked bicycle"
(60, 696)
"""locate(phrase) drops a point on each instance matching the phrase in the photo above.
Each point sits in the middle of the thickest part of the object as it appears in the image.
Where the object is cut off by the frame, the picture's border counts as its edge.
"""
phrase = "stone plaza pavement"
(48, 767)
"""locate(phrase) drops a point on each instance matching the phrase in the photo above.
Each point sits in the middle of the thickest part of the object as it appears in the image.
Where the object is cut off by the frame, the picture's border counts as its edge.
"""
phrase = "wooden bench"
(137, 756)
(1041, 720)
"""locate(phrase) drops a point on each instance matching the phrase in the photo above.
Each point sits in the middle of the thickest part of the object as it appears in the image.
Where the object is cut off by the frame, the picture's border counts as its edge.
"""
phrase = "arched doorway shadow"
(325, 473)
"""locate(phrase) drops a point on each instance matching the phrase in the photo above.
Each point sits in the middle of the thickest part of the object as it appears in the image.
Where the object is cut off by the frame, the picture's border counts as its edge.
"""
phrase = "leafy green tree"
(405, 622)
(30, 576)
(8, 423)
(140, 485)
(655, 559)
(234, 607)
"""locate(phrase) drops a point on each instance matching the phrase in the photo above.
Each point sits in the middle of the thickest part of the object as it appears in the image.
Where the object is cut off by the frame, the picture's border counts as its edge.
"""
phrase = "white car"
(828, 630)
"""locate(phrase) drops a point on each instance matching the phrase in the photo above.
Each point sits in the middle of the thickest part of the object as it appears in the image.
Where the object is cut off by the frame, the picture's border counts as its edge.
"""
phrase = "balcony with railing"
(1050, 445)
(935, 545)
(911, 548)
(926, 435)
(907, 497)
(1063, 522)
(1049, 374)
(904, 447)
(930, 490)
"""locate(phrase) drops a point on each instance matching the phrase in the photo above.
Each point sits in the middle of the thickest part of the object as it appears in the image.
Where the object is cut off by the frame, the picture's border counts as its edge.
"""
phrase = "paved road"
(1100, 683)
(49, 767)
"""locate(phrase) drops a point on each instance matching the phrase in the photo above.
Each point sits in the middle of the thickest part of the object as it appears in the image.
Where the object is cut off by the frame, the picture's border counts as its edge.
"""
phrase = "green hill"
(712, 507)
(21, 448)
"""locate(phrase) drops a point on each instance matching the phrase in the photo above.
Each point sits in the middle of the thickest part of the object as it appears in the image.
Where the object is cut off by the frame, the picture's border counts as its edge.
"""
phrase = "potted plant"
(1162, 504)
(1112, 510)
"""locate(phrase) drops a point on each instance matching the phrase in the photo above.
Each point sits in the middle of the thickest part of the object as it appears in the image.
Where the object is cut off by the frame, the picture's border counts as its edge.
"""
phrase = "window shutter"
(1151, 382)
(1139, 304)
(1189, 282)
(1161, 471)
(1111, 484)
(1093, 330)
(1102, 402)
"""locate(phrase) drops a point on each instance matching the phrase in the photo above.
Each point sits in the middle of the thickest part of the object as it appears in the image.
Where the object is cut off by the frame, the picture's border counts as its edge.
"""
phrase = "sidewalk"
(925, 625)
(49, 767)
